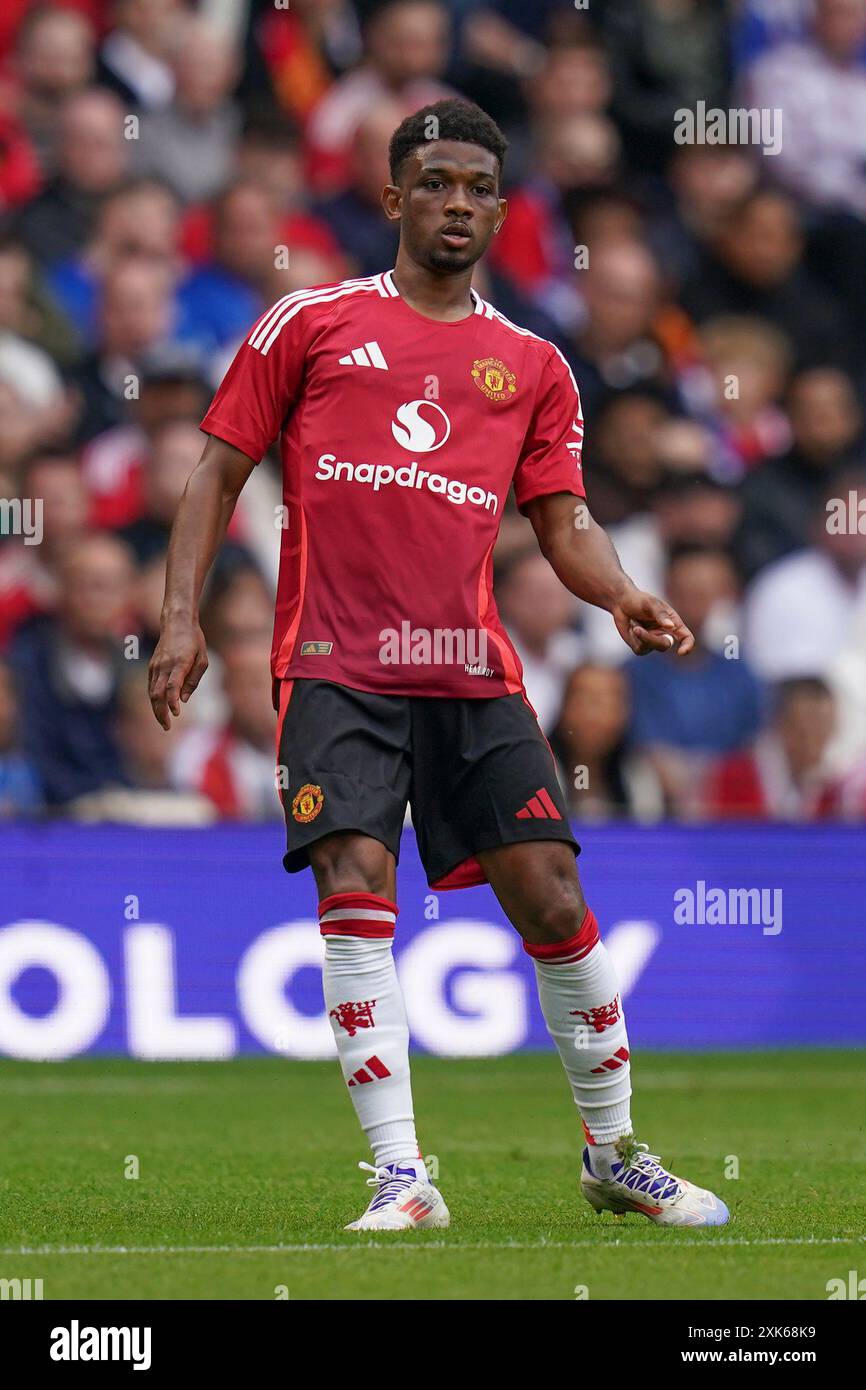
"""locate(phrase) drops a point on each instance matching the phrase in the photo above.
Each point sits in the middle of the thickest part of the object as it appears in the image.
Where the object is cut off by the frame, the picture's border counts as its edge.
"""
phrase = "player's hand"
(175, 669)
(648, 624)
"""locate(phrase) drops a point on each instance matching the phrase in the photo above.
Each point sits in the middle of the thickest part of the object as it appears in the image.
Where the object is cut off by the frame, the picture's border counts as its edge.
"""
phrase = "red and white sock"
(580, 1001)
(368, 1016)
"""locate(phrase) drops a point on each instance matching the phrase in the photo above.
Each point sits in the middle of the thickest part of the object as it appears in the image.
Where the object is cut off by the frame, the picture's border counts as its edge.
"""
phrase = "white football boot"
(405, 1200)
(638, 1182)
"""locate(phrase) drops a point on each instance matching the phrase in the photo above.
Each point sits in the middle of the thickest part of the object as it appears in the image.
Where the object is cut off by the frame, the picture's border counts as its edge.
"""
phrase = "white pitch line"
(305, 1249)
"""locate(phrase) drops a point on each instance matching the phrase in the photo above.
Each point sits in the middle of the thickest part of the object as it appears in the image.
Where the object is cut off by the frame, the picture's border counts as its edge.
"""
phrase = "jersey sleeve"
(263, 381)
(551, 457)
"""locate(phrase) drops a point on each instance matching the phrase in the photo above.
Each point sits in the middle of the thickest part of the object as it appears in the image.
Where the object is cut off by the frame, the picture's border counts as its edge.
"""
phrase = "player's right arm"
(248, 411)
(205, 510)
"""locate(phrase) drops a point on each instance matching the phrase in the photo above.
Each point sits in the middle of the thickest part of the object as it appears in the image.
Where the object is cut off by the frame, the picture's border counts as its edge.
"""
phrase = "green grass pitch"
(247, 1175)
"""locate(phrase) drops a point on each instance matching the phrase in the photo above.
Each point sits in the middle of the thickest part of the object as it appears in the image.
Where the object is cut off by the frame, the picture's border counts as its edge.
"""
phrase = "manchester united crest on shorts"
(493, 378)
(307, 803)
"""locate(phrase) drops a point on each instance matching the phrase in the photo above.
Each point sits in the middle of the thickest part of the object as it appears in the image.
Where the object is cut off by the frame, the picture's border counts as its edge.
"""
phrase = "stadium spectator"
(539, 246)
(26, 306)
(175, 451)
(68, 668)
(171, 386)
(354, 214)
(190, 144)
(686, 507)
(539, 615)
(822, 584)
(149, 797)
(737, 389)
(20, 175)
(405, 52)
(220, 299)
(35, 409)
(615, 348)
(237, 604)
(602, 778)
(148, 590)
(664, 58)
(136, 316)
(140, 218)
(20, 794)
(268, 154)
(54, 59)
(687, 709)
(847, 678)
(780, 497)
(233, 765)
(621, 453)
(704, 184)
(754, 265)
(30, 573)
(303, 49)
(785, 775)
(134, 55)
(820, 85)
(92, 158)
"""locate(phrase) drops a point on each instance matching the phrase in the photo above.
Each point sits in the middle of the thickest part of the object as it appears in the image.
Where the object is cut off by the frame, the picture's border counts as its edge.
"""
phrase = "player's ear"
(502, 214)
(392, 202)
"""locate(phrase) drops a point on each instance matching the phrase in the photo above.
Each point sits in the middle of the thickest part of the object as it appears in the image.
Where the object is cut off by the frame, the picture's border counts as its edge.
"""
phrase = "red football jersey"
(400, 438)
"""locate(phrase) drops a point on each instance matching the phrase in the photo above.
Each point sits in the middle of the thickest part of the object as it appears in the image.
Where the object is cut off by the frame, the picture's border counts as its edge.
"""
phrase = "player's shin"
(365, 1005)
(579, 997)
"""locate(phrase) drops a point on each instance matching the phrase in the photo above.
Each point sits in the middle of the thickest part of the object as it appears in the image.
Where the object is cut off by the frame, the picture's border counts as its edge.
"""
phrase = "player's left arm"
(583, 558)
(548, 486)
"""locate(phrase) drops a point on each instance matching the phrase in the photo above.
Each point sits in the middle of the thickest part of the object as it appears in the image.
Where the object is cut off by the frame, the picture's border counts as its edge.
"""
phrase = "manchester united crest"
(493, 378)
(308, 803)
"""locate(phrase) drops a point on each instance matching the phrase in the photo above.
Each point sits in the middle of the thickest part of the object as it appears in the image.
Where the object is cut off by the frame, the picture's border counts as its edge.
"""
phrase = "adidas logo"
(370, 355)
(619, 1059)
(362, 1075)
(539, 807)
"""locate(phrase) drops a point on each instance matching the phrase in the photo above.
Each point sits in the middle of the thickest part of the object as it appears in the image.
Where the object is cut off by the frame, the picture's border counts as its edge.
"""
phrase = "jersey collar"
(391, 292)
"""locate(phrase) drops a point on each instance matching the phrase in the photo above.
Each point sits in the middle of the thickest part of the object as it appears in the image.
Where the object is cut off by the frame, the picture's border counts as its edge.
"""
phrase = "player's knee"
(559, 916)
(351, 864)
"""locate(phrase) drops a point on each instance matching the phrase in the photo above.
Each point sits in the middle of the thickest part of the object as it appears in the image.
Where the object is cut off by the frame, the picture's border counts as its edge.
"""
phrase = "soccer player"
(406, 408)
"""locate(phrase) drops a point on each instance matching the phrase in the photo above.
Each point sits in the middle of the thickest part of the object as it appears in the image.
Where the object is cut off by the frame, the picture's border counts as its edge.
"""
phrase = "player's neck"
(445, 297)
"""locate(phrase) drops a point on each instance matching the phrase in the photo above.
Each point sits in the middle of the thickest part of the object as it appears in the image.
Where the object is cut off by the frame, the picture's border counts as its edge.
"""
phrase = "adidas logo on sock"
(619, 1059)
(539, 807)
(370, 355)
(362, 1075)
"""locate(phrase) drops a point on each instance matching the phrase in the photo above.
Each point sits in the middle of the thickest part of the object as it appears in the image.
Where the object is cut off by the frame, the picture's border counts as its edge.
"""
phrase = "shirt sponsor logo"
(422, 427)
(410, 475)
(493, 378)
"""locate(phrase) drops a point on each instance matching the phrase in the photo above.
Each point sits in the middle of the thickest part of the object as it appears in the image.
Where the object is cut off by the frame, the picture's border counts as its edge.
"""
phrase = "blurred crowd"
(167, 169)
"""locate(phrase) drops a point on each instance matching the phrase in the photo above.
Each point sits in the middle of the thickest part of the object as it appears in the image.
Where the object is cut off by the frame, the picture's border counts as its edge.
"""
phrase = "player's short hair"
(453, 119)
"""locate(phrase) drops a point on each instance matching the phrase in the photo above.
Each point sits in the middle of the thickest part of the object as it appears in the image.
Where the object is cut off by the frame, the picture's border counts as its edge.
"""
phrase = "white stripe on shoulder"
(276, 308)
(281, 313)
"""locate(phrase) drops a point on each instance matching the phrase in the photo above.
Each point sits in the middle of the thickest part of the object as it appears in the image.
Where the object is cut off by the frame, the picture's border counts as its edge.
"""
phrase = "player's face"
(448, 204)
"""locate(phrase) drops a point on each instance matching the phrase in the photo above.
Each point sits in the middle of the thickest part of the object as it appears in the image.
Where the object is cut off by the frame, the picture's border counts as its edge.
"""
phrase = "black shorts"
(477, 773)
